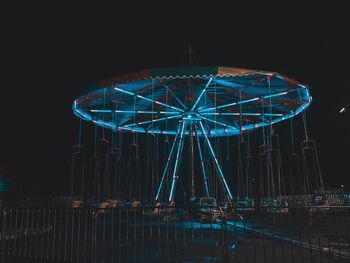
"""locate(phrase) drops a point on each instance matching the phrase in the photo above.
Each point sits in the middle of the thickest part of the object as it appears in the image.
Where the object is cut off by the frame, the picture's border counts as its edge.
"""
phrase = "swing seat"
(157, 210)
(79, 149)
(209, 211)
(153, 212)
(113, 203)
(308, 145)
(103, 208)
(275, 206)
(134, 206)
(148, 212)
(169, 218)
(245, 205)
(77, 204)
(208, 217)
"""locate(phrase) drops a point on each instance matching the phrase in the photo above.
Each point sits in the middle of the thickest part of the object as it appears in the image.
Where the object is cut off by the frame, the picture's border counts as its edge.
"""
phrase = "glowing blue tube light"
(142, 130)
(103, 111)
(84, 115)
(238, 114)
(275, 95)
(136, 129)
(216, 162)
(124, 91)
(246, 101)
(147, 99)
(146, 112)
(230, 104)
(203, 167)
(230, 114)
(105, 124)
(179, 148)
(218, 122)
(80, 113)
(155, 120)
(273, 114)
(201, 94)
(166, 166)
(224, 106)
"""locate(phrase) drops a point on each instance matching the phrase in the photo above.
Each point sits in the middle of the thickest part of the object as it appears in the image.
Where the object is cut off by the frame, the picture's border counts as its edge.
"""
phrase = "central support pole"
(177, 161)
(221, 174)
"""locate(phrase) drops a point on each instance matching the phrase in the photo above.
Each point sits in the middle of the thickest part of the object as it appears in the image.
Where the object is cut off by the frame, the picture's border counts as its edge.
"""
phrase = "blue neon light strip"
(275, 95)
(273, 114)
(147, 99)
(166, 166)
(81, 113)
(248, 127)
(124, 91)
(142, 130)
(162, 132)
(104, 111)
(249, 100)
(201, 94)
(155, 120)
(301, 108)
(105, 124)
(218, 122)
(203, 167)
(146, 112)
(223, 106)
(135, 112)
(179, 148)
(222, 177)
(222, 132)
(246, 101)
(136, 129)
(238, 114)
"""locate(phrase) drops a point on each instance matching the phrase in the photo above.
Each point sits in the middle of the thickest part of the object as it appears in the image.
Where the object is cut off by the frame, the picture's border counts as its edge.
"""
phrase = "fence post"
(3, 235)
(223, 236)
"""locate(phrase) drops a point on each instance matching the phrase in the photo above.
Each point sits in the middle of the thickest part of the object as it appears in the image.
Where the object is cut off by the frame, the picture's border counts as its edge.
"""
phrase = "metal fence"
(176, 234)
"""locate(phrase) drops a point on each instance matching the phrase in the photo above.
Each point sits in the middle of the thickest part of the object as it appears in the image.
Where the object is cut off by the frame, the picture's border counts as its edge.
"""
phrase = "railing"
(176, 234)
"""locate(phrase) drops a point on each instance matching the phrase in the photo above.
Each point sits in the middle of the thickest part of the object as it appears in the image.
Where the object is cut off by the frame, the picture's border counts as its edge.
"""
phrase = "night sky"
(52, 53)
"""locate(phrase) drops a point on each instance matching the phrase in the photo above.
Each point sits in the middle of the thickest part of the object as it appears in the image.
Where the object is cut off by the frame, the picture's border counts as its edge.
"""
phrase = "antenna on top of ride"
(190, 56)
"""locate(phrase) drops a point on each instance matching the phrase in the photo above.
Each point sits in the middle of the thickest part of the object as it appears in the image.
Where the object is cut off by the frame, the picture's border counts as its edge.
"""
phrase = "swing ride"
(199, 103)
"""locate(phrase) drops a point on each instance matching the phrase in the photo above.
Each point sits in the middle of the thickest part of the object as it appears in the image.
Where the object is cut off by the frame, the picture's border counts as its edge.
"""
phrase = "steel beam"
(221, 174)
(177, 161)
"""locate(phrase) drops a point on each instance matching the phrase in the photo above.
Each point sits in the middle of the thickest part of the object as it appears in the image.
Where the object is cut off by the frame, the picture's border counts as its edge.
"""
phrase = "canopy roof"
(176, 73)
(227, 101)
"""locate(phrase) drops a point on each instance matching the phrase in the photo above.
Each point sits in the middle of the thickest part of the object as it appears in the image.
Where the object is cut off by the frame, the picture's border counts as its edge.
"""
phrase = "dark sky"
(52, 53)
